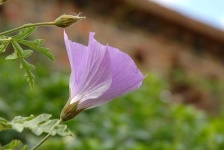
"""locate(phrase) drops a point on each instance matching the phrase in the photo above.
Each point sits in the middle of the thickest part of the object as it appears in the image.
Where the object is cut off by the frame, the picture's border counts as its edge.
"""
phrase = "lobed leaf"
(4, 124)
(26, 65)
(23, 33)
(18, 48)
(18, 121)
(45, 51)
(36, 45)
(28, 73)
(14, 145)
(20, 54)
(38, 125)
(3, 47)
(13, 57)
(27, 53)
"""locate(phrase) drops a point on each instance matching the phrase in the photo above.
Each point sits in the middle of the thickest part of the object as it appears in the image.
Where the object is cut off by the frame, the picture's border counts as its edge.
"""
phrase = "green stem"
(28, 25)
(47, 136)
(6, 40)
(42, 141)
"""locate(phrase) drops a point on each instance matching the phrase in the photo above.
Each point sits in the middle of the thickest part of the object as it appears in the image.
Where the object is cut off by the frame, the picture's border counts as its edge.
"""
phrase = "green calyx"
(70, 111)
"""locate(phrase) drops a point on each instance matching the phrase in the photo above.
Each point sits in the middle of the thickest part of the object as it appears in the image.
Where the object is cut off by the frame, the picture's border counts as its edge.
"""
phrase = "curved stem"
(47, 136)
(28, 25)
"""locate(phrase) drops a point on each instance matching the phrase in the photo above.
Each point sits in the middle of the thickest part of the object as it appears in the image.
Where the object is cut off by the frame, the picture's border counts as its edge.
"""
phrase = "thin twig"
(47, 136)
(26, 26)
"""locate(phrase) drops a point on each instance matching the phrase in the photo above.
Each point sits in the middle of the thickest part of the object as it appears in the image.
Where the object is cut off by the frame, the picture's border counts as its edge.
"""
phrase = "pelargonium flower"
(99, 73)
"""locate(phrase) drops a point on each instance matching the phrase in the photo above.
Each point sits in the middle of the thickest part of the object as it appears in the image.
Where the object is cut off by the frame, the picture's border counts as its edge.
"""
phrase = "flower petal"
(91, 69)
(126, 77)
(77, 54)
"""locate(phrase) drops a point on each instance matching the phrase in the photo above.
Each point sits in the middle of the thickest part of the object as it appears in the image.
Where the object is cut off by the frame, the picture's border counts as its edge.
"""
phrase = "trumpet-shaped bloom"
(99, 73)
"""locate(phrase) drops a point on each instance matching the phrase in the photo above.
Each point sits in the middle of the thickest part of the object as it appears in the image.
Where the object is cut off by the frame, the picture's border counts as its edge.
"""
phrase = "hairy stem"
(47, 136)
(28, 25)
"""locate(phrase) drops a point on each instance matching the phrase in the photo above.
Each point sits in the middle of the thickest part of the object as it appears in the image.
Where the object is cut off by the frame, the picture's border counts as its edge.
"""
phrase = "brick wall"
(156, 44)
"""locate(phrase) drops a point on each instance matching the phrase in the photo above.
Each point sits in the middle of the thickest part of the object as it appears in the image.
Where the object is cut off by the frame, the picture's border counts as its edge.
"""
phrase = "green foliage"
(38, 125)
(14, 145)
(24, 33)
(21, 54)
(4, 124)
(36, 44)
(142, 120)
(3, 46)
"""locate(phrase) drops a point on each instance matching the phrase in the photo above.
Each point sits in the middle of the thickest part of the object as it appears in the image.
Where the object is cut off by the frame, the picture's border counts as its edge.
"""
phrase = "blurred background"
(180, 47)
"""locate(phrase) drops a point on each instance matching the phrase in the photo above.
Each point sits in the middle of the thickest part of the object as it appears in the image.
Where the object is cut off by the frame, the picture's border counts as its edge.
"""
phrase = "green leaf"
(21, 54)
(18, 48)
(38, 125)
(45, 51)
(13, 57)
(36, 45)
(3, 47)
(63, 130)
(17, 122)
(4, 124)
(3, 37)
(23, 33)
(27, 53)
(28, 73)
(14, 145)
(26, 65)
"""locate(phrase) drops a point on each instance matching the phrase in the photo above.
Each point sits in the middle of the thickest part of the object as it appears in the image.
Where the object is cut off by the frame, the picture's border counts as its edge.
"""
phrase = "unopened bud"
(67, 20)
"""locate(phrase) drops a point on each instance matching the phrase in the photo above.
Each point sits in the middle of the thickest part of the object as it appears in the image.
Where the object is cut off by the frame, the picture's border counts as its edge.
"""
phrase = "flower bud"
(67, 20)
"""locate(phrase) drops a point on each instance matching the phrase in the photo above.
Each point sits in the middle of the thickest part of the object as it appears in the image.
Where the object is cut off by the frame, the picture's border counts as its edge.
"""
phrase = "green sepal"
(70, 111)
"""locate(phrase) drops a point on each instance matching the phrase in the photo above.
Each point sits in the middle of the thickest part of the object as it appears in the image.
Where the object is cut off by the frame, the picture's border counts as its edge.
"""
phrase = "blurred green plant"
(145, 119)
(25, 31)
(17, 37)
(38, 125)
(15, 145)
(20, 54)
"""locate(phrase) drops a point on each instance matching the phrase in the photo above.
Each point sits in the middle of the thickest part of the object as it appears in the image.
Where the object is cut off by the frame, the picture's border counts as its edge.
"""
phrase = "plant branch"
(6, 40)
(28, 25)
(47, 136)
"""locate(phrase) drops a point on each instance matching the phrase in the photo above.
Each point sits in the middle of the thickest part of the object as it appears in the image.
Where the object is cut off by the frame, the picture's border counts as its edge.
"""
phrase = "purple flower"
(99, 74)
